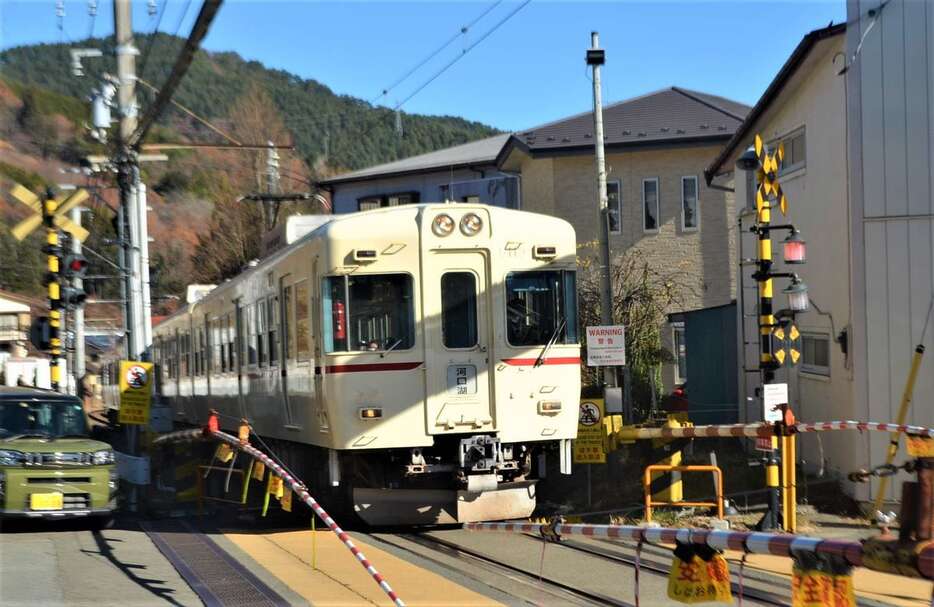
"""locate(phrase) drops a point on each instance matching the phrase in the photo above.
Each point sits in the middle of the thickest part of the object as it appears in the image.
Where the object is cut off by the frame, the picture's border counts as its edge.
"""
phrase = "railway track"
(535, 587)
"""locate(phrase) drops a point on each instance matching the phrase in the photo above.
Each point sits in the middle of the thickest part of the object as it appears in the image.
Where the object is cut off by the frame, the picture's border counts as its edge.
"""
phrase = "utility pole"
(128, 174)
(78, 318)
(595, 58)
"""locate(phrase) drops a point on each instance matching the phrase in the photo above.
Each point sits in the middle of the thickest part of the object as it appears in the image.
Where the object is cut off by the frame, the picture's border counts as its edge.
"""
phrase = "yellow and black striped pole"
(767, 189)
(53, 250)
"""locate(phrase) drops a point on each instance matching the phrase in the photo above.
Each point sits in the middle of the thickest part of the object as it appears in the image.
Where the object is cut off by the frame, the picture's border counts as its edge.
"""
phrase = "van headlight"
(442, 225)
(471, 224)
(105, 456)
(11, 458)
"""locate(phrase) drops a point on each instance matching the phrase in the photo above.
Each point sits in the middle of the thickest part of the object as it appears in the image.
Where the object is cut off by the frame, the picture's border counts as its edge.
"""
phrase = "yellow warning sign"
(700, 581)
(274, 486)
(590, 444)
(920, 446)
(810, 588)
(259, 470)
(286, 501)
(135, 392)
(224, 453)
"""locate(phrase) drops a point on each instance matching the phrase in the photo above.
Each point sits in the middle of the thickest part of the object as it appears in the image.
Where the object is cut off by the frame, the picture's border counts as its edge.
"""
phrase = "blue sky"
(530, 70)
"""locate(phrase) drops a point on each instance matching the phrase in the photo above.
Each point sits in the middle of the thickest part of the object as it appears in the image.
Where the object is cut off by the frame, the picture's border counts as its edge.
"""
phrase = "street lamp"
(797, 293)
(794, 248)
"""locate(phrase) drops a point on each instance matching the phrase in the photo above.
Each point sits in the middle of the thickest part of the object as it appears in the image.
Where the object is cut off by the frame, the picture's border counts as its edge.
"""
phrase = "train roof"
(279, 254)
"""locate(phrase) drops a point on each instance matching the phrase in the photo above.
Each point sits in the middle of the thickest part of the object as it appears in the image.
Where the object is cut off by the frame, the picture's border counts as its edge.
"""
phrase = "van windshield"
(51, 419)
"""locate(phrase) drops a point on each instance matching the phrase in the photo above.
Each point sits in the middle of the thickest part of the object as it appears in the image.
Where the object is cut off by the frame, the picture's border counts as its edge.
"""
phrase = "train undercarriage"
(459, 479)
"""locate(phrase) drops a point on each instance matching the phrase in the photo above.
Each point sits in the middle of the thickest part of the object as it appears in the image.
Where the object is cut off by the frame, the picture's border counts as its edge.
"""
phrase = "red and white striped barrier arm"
(865, 427)
(753, 543)
(765, 430)
(299, 488)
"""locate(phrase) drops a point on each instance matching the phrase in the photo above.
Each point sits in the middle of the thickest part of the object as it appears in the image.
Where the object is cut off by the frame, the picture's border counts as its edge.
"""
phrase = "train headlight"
(471, 224)
(442, 225)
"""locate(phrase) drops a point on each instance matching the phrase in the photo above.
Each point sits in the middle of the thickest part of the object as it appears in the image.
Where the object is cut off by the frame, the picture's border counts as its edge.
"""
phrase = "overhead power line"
(152, 39)
(448, 65)
(198, 31)
(462, 32)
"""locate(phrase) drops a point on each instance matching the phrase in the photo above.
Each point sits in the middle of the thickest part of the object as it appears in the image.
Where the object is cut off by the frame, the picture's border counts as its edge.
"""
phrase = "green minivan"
(50, 467)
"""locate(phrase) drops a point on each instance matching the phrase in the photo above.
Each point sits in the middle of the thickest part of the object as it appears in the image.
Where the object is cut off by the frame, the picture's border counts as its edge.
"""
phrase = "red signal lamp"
(794, 248)
(78, 265)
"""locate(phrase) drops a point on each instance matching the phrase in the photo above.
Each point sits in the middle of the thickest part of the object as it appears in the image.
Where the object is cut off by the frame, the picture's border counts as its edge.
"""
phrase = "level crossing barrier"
(293, 484)
(764, 430)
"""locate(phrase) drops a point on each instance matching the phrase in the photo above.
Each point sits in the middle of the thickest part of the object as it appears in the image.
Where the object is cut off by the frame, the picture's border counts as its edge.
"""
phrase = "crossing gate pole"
(53, 251)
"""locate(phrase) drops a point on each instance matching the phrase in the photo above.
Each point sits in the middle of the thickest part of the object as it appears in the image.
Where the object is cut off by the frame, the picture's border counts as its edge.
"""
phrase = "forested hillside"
(202, 230)
(355, 133)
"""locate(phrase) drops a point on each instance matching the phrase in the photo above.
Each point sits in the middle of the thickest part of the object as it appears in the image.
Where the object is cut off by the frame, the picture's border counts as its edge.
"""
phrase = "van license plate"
(46, 501)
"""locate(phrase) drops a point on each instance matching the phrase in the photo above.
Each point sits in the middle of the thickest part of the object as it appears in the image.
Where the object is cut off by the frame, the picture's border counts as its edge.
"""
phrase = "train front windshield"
(541, 308)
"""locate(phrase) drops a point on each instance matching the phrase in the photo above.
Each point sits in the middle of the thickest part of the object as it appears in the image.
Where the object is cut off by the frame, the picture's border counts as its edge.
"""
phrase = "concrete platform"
(330, 575)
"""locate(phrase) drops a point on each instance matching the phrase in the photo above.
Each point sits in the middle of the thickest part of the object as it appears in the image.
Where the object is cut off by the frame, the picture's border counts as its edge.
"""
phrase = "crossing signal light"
(40, 333)
(73, 297)
(75, 266)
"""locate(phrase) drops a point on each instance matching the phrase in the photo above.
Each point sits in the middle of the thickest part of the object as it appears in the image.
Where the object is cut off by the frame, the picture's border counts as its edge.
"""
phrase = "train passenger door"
(286, 304)
(457, 342)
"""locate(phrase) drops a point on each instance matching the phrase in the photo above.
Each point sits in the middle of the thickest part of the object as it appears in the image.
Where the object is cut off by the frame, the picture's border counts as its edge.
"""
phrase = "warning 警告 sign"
(590, 444)
(135, 392)
(606, 346)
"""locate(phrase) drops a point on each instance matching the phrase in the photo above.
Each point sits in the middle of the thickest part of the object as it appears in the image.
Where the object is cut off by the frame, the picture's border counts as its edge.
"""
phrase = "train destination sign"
(606, 346)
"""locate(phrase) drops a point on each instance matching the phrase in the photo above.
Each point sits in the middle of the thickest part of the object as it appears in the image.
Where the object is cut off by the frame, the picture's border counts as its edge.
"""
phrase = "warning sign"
(135, 392)
(695, 580)
(590, 444)
(606, 346)
(810, 588)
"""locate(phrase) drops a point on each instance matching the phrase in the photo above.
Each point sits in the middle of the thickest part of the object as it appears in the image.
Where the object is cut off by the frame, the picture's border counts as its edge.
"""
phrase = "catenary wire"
(462, 32)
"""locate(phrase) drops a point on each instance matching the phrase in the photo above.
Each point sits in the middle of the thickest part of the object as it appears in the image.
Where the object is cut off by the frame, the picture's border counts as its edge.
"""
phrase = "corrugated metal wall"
(891, 145)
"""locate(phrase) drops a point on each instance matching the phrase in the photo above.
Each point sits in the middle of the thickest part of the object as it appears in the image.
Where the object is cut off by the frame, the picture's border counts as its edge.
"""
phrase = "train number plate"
(46, 501)
(462, 380)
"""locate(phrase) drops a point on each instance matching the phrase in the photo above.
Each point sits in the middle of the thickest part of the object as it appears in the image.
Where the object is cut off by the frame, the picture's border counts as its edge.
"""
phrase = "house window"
(690, 220)
(369, 203)
(650, 205)
(613, 217)
(795, 155)
(472, 199)
(680, 352)
(815, 355)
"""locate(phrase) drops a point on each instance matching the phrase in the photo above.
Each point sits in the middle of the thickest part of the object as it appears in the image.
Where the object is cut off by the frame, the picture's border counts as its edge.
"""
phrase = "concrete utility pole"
(78, 316)
(128, 172)
(595, 58)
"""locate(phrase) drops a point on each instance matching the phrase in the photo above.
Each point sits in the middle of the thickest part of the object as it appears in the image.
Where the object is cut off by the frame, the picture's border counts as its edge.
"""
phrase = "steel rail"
(292, 484)
(589, 596)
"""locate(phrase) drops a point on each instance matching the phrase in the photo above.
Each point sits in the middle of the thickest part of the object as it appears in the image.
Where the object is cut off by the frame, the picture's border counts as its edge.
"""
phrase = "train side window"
(260, 313)
(288, 327)
(374, 312)
(183, 354)
(272, 325)
(459, 310)
(302, 321)
(231, 341)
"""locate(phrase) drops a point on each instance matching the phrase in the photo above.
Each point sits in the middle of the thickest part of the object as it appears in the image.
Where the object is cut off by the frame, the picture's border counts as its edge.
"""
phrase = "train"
(416, 364)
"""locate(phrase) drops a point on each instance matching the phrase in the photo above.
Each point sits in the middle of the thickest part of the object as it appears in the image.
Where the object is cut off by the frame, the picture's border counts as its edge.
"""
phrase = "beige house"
(857, 178)
(657, 146)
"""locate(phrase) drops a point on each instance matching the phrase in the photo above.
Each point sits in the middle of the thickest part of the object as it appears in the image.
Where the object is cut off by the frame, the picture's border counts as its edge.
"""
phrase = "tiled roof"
(483, 151)
(670, 115)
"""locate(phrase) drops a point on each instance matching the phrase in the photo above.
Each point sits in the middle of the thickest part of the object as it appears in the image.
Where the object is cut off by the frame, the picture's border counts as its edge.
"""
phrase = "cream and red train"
(415, 360)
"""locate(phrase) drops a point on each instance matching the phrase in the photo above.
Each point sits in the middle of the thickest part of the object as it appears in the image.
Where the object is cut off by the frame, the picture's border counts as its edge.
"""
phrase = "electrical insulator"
(151, 7)
(92, 8)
